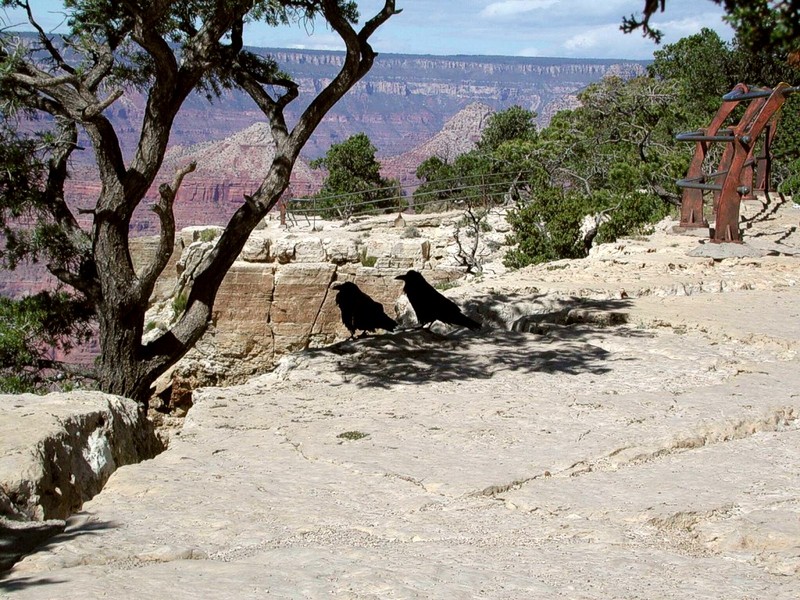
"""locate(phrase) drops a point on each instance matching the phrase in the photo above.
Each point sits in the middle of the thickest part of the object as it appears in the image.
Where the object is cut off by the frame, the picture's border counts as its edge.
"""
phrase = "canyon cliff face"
(458, 136)
(411, 107)
(402, 102)
(405, 99)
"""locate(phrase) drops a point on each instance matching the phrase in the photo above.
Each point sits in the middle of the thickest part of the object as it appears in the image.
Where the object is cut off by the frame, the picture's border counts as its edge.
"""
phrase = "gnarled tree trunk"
(211, 54)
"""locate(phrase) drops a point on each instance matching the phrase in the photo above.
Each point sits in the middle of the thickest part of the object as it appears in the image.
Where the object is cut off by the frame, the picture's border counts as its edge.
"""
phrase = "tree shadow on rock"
(529, 312)
(17, 540)
(557, 339)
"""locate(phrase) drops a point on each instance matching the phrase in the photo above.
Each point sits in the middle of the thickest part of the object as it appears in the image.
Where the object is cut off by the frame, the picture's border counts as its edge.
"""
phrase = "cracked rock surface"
(571, 455)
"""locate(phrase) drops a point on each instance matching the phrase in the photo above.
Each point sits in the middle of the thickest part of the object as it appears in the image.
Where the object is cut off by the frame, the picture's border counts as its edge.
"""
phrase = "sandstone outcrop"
(276, 298)
(57, 451)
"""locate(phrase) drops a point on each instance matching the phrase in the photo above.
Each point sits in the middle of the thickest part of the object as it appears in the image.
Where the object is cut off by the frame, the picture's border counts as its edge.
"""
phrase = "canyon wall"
(411, 107)
(400, 103)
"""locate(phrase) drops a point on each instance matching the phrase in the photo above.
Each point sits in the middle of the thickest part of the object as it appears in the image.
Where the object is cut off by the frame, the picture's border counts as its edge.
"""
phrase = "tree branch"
(93, 110)
(630, 24)
(101, 68)
(47, 42)
(172, 83)
(375, 22)
(166, 245)
(273, 109)
(358, 61)
(163, 101)
(40, 80)
(71, 369)
(57, 174)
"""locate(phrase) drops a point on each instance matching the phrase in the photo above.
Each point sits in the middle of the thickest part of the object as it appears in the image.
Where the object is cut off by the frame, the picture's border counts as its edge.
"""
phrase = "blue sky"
(565, 28)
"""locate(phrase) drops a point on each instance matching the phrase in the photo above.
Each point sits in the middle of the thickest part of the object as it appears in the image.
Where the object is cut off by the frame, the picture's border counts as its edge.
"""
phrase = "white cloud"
(326, 47)
(530, 51)
(581, 42)
(510, 8)
(677, 29)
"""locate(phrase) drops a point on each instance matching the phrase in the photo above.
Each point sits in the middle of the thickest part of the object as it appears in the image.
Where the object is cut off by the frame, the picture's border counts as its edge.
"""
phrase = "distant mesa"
(411, 107)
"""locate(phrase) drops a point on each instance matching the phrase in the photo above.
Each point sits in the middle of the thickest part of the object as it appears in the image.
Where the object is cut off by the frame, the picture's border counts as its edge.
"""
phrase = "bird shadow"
(554, 341)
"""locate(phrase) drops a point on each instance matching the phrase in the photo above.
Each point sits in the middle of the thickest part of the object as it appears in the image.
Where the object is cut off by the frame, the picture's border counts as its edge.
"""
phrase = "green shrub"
(367, 261)
(445, 285)
(546, 229)
(209, 235)
(179, 303)
(352, 435)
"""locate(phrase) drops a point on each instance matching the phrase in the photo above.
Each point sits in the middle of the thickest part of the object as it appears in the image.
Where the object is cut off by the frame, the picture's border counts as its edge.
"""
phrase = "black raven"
(429, 305)
(359, 311)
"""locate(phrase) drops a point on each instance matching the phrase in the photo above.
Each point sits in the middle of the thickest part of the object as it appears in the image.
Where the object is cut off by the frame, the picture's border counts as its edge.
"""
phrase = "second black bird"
(429, 305)
(359, 311)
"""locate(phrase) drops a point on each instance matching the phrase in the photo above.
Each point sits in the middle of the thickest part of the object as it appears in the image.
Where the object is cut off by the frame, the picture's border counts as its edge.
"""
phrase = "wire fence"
(490, 191)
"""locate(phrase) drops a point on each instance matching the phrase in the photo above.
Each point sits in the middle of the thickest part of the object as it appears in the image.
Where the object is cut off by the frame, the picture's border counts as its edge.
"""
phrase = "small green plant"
(14, 384)
(208, 235)
(445, 285)
(367, 261)
(179, 303)
(352, 435)
(475, 222)
(411, 232)
(150, 326)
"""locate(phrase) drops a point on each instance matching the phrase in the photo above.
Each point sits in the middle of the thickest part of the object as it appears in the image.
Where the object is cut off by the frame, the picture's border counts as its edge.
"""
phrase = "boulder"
(199, 233)
(57, 451)
(188, 263)
(257, 247)
(341, 250)
(309, 250)
(400, 253)
(301, 297)
(283, 249)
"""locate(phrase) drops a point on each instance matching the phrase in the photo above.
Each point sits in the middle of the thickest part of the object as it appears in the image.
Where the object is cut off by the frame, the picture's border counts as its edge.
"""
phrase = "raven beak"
(401, 277)
(337, 286)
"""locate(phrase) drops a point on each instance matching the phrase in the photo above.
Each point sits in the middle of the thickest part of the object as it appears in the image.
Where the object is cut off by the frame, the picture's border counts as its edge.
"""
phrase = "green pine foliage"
(546, 229)
(514, 123)
(34, 327)
(354, 184)
(30, 330)
(614, 160)
(483, 177)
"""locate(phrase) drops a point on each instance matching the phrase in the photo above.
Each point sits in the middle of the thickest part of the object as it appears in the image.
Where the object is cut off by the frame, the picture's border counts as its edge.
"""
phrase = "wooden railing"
(739, 172)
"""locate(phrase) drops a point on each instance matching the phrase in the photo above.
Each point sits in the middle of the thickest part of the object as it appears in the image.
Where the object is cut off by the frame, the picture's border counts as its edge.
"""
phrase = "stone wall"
(277, 297)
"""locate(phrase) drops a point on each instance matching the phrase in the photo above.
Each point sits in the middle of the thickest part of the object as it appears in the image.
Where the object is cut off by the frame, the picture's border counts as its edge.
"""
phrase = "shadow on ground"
(558, 341)
(18, 540)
